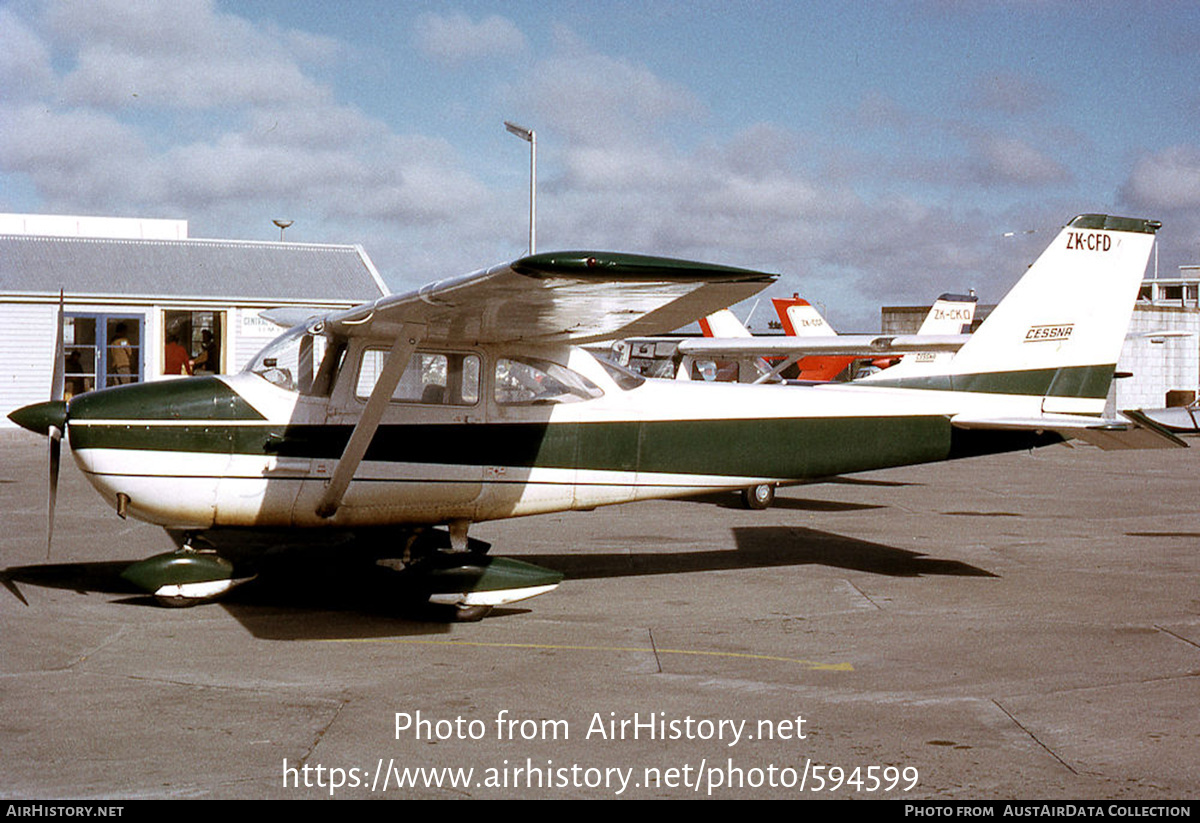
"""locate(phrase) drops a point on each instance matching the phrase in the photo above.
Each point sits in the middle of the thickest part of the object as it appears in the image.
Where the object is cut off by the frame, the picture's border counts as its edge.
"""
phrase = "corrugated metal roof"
(186, 268)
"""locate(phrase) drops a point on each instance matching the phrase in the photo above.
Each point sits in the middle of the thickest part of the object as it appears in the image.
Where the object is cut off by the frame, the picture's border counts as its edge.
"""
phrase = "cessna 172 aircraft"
(471, 399)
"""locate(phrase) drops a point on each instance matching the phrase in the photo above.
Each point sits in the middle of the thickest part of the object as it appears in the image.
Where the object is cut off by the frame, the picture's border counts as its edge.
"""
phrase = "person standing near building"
(208, 360)
(176, 360)
(120, 356)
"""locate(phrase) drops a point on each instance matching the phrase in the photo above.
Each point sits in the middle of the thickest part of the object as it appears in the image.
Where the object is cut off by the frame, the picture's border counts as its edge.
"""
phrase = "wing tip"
(605, 265)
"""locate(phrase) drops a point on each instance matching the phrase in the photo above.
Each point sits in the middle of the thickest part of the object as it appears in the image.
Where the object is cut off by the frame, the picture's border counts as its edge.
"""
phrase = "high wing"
(572, 297)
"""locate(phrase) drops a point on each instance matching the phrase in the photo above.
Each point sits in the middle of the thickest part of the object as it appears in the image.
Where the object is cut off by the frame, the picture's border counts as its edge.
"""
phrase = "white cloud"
(80, 159)
(24, 60)
(1169, 179)
(1010, 94)
(455, 39)
(178, 55)
(129, 127)
(594, 99)
(358, 172)
(1165, 186)
(625, 156)
(1008, 160)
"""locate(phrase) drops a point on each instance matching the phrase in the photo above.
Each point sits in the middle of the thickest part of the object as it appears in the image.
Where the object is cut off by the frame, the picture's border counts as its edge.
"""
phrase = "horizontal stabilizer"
(1135, 432)
(1178, 418)
(854, 345)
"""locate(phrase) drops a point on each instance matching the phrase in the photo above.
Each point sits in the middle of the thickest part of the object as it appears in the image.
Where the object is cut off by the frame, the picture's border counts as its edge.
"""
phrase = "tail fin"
(800, 318)
(1058, 333)
(951, 314)
(723, 323)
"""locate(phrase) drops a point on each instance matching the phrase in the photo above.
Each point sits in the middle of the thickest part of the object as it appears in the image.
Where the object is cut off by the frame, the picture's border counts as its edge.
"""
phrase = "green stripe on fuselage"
(795, 448)
(1075, 381)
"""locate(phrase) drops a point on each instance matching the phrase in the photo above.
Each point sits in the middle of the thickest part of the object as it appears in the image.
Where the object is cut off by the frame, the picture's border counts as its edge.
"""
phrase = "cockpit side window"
(431, 378)
(528, 381)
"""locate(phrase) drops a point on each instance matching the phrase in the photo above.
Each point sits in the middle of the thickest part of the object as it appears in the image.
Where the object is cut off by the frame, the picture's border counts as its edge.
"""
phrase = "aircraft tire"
(470, 614)
(175, 602)
(758, 497)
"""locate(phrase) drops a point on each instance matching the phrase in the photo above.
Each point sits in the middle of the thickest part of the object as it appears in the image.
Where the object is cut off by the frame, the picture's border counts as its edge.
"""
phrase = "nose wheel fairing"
(184, 577)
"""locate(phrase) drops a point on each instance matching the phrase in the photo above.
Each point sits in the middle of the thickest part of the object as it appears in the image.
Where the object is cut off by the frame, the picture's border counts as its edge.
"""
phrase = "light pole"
(283, 224)
(530, 137)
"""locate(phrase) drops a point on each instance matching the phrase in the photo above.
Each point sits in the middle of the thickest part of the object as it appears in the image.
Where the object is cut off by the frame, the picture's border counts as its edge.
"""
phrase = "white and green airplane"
(472, 399)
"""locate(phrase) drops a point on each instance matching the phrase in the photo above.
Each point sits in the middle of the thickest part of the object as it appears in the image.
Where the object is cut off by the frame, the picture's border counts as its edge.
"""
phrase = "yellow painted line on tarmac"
(812, 665)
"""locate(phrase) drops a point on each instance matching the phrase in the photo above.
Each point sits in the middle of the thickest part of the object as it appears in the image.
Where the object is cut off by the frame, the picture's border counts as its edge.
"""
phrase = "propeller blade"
(58, 380)
(57, 389)
(55, 454)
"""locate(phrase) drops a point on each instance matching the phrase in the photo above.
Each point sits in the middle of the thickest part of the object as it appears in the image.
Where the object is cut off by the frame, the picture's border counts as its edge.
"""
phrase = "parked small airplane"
(950, 314)
(945, 327)
(821, 354)
(800, 318)
(472, 400)
(944, 330)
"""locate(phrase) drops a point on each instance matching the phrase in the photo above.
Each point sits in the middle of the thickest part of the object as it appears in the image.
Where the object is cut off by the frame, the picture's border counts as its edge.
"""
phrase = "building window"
(100, 351)
(192, 342)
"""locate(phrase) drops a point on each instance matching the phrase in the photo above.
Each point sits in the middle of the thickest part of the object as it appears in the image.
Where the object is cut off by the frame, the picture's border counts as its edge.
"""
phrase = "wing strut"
(409, 335)
(779, 367)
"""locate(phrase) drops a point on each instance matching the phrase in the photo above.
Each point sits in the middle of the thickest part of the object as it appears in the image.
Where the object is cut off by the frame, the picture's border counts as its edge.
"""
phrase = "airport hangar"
(131, 285)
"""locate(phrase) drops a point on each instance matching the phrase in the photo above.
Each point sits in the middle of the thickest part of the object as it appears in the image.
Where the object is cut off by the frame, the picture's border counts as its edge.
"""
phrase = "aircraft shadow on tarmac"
(730, 501)
(761, 547)
(360, 601)
(1162, 534)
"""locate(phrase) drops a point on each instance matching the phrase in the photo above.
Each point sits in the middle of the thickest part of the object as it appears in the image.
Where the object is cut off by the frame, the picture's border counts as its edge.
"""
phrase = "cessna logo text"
(1040, 334)
(1088, 241)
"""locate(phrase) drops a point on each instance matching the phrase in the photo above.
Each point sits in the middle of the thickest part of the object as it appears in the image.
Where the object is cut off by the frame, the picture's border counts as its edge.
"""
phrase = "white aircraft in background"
(949, 318)
(362, 432)
(950, 315)
(820, 353)
(945, 327)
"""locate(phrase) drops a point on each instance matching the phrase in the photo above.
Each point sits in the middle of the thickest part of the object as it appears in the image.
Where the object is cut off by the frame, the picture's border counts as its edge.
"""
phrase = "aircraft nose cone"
(40, 417)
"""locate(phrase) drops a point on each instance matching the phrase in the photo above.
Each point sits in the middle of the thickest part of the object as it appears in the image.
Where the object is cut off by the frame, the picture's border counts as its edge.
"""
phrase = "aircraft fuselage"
(241, 451)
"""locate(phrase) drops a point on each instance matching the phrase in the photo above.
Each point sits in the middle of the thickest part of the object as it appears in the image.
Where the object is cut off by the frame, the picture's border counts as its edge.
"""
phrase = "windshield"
(294, 360)
(623, 377)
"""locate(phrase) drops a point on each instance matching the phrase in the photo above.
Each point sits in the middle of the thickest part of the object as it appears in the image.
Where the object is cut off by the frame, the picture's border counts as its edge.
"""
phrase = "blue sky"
(872, 153)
